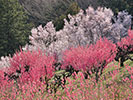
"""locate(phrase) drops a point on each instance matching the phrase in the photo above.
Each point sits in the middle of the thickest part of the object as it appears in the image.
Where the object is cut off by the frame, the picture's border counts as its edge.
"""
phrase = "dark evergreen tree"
(14, 27)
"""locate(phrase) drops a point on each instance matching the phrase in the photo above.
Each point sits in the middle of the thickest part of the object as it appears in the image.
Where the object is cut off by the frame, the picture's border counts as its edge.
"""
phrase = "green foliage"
(115, 66)
(129, 62)
(115, 5)
(14, 27)
(118, 5)
(72, 10)
(59, 22)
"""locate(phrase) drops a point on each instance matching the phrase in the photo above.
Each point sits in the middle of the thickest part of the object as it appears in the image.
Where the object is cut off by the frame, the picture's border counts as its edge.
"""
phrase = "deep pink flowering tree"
(125, 48)
(3, 80)
(30, 66)
(91, 60)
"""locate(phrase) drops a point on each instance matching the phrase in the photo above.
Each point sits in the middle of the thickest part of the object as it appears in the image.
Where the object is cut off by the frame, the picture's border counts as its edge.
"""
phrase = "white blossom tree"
(84, 28)
(5, 62)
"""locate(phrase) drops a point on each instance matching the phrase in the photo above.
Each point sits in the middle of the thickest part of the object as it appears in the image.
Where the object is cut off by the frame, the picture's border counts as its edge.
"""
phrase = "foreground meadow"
(116, 83)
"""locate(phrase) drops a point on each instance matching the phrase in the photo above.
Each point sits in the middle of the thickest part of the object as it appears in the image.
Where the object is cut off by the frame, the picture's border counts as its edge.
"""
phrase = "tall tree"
(14, 27)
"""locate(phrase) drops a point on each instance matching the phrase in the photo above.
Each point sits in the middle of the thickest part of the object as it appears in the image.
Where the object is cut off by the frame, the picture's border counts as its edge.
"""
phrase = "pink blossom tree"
(90, 60)
(30, 66)
(125, 48)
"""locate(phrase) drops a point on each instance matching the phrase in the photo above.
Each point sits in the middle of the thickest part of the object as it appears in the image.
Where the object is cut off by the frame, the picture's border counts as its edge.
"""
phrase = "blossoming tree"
(85, 28)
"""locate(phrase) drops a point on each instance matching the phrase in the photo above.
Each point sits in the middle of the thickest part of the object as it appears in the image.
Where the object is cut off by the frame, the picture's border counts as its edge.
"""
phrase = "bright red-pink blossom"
(125, 48)
(31, 66)
(94, 56)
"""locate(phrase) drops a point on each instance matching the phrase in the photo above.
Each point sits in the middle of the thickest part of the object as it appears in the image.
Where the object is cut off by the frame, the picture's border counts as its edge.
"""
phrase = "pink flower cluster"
(31, 66)
(127, 41)
(109, 86)
(94, 56)
(31, 74)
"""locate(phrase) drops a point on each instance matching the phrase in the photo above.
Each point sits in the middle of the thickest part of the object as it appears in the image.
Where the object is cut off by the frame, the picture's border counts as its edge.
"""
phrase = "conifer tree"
(14, 27)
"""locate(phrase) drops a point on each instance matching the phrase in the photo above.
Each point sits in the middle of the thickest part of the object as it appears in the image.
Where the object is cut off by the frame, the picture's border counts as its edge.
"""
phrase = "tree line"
(17, 19)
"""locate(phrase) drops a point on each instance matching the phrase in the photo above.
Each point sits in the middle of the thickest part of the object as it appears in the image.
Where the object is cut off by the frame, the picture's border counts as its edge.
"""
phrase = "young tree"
(125, 49)
(14, 27)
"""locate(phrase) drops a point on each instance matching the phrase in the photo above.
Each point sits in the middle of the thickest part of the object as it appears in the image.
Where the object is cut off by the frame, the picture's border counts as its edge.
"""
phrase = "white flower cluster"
(82, 29)
(5, 62)
(120, 26)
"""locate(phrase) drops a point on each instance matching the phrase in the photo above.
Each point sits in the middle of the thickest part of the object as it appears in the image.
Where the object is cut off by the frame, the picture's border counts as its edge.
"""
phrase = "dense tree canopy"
(14, 27)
